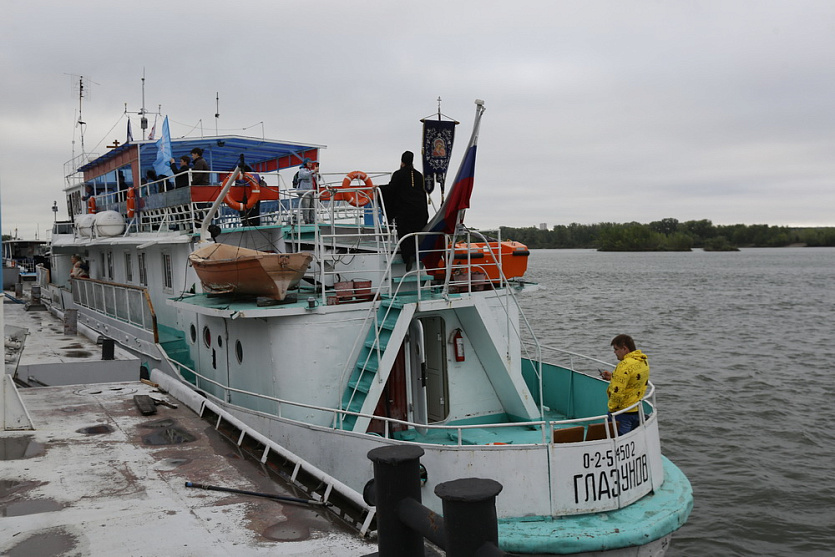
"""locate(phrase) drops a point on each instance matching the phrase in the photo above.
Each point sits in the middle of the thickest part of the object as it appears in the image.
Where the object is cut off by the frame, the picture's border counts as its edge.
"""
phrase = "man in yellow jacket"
(627, 383)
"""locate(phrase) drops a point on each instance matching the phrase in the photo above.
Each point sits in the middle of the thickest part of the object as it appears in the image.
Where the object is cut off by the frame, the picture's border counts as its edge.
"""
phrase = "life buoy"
(91, 205)
(357, 198)
(252, 196)
(131, 202)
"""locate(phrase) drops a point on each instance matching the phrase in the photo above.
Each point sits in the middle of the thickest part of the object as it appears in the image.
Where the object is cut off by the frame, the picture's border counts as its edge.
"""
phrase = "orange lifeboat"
(485, 257)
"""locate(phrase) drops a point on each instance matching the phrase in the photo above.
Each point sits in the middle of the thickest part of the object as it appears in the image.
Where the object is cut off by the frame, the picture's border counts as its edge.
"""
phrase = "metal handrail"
(103, 297)
(340, 414)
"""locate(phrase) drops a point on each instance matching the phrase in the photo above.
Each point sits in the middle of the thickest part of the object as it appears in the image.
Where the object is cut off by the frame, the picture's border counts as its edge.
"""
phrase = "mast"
(217, 109)
(81, 123)
(143, 120)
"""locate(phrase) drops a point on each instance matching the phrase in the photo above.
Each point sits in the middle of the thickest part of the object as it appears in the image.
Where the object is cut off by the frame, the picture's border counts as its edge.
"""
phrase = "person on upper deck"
(627, 383)
(200, 176)
(79, 268)
(304, 180)
(181, 173)
(406, 205)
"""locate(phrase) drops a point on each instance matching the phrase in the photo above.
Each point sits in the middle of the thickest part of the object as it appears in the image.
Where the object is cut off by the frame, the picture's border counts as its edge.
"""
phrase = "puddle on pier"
(17, 448)
(77, 354)
(169, 436)
(95, 429)
(54, 542)
(32, 506)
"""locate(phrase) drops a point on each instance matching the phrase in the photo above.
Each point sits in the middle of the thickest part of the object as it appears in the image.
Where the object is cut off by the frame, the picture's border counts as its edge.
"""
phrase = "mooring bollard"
(35, 294)
(18, 290)
(468, 528)
(71, 322)
(396, 477)
(470, 516)
(107, 348)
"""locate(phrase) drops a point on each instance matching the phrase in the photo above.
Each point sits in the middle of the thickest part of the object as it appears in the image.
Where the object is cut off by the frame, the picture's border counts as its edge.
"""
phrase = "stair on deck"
(366, 370)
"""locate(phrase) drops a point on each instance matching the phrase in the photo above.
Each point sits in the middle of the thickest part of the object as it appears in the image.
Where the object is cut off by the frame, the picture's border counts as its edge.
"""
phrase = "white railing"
(130, 304)
(545, 426)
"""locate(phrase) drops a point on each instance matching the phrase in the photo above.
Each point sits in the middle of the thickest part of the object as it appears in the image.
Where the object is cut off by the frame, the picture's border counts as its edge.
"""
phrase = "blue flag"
(162, 163)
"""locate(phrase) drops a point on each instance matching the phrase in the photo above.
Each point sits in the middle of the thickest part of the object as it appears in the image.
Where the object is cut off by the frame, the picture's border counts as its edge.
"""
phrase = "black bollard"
(396, 477)
(107, 348)
(470, 516)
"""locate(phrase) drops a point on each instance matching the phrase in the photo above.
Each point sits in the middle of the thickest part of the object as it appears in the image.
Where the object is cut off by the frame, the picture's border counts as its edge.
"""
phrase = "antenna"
(80, 123)
(217, 109)
(143, 120)
(143, 113)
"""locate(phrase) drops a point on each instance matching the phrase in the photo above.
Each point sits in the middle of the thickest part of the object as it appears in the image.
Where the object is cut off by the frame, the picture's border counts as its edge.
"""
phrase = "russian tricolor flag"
(451, 213)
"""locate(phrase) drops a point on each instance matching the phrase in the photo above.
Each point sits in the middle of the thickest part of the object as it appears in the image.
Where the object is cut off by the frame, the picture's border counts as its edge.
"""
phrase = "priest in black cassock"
(406, 204)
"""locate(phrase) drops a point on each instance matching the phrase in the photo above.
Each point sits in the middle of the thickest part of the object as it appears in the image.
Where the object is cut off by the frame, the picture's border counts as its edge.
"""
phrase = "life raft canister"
(252, 195)
(358, 197)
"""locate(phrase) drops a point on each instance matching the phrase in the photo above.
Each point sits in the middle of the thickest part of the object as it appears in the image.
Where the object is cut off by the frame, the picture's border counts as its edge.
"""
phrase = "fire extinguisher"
(457, 341)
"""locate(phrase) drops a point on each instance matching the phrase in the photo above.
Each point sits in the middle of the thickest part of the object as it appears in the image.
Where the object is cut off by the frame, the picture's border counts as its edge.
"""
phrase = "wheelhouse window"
(128, 268)
(143, 271)
(167, 272)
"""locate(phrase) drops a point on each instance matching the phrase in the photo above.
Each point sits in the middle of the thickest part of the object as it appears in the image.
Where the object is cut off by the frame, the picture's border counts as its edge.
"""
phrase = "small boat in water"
(225, 269)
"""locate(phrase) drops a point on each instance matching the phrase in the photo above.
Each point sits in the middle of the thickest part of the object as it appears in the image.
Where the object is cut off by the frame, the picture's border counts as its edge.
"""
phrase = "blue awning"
(221, 152)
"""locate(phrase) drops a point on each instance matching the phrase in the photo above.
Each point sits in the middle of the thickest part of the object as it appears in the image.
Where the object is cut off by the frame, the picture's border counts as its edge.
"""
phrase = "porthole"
(239, 351)
(207, 337)
(193, 333)
(219, 341)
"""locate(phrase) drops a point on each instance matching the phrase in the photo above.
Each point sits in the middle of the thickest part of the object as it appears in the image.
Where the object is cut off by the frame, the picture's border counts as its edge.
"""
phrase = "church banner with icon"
(438, 136)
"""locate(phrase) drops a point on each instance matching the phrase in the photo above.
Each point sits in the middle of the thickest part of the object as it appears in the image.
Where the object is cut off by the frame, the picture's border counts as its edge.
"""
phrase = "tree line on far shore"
(668, 235)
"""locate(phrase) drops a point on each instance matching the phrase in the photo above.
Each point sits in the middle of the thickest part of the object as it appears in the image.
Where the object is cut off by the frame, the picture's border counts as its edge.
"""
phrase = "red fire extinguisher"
(457, 341)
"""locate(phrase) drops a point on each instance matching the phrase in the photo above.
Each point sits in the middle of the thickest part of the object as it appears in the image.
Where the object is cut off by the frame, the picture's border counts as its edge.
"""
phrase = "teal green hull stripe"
(651, 518)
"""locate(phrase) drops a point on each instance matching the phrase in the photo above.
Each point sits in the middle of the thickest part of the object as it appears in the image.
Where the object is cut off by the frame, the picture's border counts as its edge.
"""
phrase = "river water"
(741, 350)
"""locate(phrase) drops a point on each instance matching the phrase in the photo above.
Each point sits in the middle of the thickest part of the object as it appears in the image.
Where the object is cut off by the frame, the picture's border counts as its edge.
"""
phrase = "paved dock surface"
(96, 477)
(93, 479)
(52, 357)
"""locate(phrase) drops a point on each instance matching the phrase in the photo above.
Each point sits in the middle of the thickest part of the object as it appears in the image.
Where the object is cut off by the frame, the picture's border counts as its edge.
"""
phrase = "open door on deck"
(437, 386)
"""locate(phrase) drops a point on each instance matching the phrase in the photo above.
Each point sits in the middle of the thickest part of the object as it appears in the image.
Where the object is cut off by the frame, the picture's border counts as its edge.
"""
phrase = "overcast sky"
(596, 111)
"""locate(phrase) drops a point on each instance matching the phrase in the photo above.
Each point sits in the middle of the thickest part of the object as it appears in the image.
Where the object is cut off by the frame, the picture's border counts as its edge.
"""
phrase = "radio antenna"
(82, 90)
(217, 110)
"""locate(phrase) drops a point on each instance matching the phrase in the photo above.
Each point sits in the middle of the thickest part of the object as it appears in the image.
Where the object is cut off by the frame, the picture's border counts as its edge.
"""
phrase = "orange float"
(253, 193)
(357, 197)
(131, 202)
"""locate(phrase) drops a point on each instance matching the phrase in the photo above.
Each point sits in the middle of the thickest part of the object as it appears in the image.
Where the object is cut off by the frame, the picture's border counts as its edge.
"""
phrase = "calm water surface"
(742, 351)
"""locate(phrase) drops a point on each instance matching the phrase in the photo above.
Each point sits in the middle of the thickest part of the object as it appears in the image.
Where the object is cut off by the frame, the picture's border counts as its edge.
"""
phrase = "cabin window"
(167, 272)
(193, 333)
(219, 341)
(239, 351)
(143, 271)
(108, 267)
(128, 268)
(207, 337)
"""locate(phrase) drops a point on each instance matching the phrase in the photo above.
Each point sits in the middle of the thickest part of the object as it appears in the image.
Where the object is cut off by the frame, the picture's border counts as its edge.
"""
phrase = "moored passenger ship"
(316, 343)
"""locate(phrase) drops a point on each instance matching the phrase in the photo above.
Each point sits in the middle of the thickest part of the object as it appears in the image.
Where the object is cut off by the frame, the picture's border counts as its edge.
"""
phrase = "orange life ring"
(357, 198)
(251, 199)
(131, 202)
(91, 205)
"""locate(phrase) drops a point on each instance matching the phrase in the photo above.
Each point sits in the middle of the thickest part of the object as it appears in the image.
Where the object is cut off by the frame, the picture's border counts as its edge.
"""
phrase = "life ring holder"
(251, 199)
(355, 198)
(131, 202)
